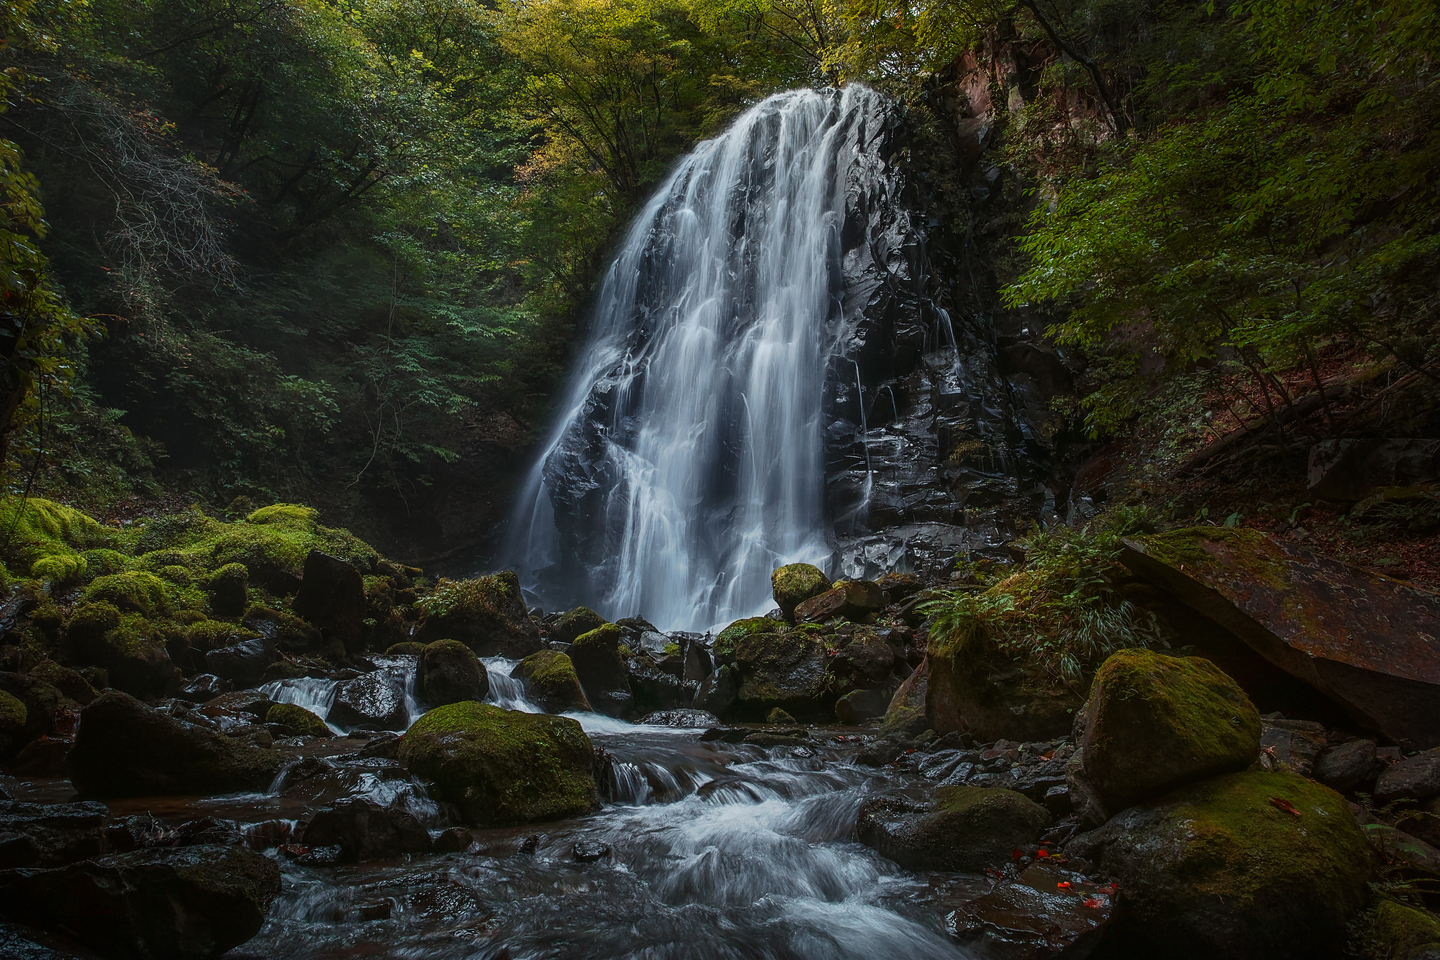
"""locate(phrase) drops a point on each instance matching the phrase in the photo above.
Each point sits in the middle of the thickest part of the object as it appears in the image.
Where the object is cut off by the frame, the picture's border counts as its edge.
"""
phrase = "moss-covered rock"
(965, 828)
(410, 648)
(450, 673)
(38, 528)
(12, 723)
(794, 583)
(124, 748)
(1397, 931)
(551, 680)
(1248, 865)
(102, 562)
(502, 767)
(69, 682)
(905, 716)
(600, 666)
(779, 716)
(229, 590)
(47, 710)
(573, 623)
(127, 645)
(729, 638)
(60, 569)
(289, 632)
(1155, 722)
(487, 614)
(785, 670)
(297, 720)
(135, 590)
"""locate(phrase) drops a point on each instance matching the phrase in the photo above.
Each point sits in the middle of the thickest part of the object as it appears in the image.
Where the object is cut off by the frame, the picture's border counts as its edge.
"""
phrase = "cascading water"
(690, 462)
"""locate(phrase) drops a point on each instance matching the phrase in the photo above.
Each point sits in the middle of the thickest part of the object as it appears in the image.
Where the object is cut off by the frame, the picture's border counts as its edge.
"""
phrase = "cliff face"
(939, 437)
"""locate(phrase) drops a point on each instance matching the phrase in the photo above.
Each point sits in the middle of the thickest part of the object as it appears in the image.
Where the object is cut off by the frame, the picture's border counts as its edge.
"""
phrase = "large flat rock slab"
(1366, 640)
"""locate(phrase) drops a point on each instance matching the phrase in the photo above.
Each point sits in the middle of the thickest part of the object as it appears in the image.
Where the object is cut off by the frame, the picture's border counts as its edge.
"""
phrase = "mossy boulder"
(601, 669)
(297, 720)
(550, 677)
(863, 660)
(60, 569)
(1247, 865)
(487, 614)
(135, 591)
(289, 632)
(785, 670)
(450, 673)
(39, 528)
(794, 583)
(1397, 931)
(129, 647)
(573, 623)
(124, 748)
(503, 767)
(229, 590)
(848, 599)
(69, 682)
(12, 723)
(405, 647)
(964, 828)
(1156, 722)
(729, 638)
(47, 710)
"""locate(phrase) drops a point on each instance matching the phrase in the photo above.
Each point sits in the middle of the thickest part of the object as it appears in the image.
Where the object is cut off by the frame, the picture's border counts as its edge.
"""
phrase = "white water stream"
(689, 461)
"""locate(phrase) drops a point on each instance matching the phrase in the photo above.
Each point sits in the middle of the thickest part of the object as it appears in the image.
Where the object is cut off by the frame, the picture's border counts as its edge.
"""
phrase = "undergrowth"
(1059, 616)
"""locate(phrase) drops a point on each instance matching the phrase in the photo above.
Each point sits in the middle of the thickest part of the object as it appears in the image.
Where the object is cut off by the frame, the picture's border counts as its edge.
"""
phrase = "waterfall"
(689, 460)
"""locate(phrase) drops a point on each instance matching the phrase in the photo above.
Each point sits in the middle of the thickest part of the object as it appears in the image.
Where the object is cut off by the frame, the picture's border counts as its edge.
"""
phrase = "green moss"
(60, 569)
(1251, 549)
(103, 563)
(490, 595)
(1156, 722)
(1395, 931)
(207, 635)
(298, 719)
(40, 528)
(795, 583)
(606, 636)
(291, 515)
(731, 636)
(779, 716)
(406, 647)
(134, 590)
(573, 623)
(503, 767)
(12, 714)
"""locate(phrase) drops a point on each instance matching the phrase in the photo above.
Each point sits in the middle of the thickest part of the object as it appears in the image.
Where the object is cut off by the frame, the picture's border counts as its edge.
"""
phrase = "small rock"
(590, 851)
(1347, 766)
(718, 691)
(966, 828)
(690, 719)
(454, 840)
(242, 662)
(1415, 778)
(374, 701)
(204, 687)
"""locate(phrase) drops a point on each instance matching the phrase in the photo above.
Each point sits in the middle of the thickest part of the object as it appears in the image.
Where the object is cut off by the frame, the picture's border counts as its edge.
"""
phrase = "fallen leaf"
(1063, 884)
(1280, 803)
(1042, 852)
(1094, 902)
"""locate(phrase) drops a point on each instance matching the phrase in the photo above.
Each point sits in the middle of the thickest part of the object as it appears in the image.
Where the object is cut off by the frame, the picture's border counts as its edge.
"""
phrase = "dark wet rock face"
(1045, 913)
(124, 748)
(186, 903)
(47, 835)
(1356, 469)
(601, 670)
(242, 662)
(332, 598)
(1347, 766)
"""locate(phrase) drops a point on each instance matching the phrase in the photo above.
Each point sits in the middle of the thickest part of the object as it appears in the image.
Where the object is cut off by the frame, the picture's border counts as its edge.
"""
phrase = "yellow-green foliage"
(12, 713)
(135, 590)
(291, 515)
(59, 568)
(102, 562)
(33, 529)
(207, 635)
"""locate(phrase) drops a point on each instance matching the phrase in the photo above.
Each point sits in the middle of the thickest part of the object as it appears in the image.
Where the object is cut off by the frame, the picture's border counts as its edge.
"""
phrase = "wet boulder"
(785, 670)
(503, 767)
(177, 903)
(295, 721)
(288, 632)
(1363, 639)
(124, 748)
(728, 639)
(126, 644)
(550, 678)
(365, 830)
(1290, 744)
(242, 662)
(601, 669)
(1414, 778)
(905, 715)
(863, 660)
(372, 701)
(1045, 913)
(13, 716)
(1155, 722)
(332, 598)
(487, 614)
(1247, 865)
(717, 692)
(450, 673)
(655, 688)
(47, 710)
(204, 687)
(50, 834)
(859, 706)
(963, 828)
(229, 590)
(574, 623)
(1347, 766)
(850, 599)
(794, 583)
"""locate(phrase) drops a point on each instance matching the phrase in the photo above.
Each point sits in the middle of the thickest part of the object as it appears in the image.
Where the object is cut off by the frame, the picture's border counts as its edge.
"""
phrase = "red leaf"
(1281, 803)
(1042, 852)
(1063, 884)
(1093, 902)
(1016, 854)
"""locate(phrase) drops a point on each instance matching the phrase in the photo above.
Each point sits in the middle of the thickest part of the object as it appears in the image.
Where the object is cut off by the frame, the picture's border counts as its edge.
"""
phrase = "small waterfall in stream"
(690, 460)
